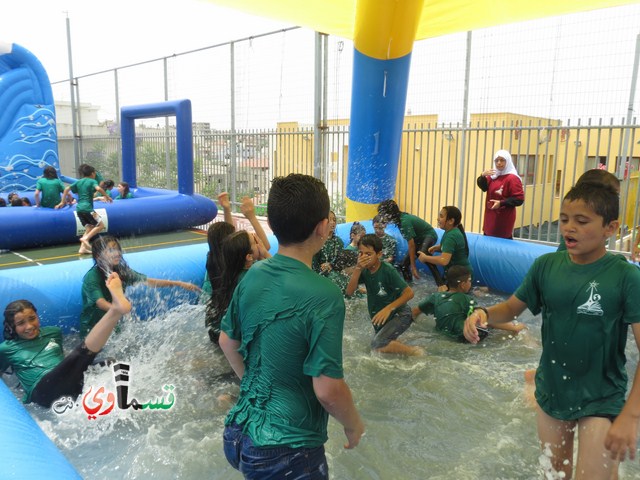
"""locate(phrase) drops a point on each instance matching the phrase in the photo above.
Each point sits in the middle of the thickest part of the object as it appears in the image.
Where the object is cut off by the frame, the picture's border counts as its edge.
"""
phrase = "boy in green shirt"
(387, 297)
(282, 335)
(85, 188)
(587, 297)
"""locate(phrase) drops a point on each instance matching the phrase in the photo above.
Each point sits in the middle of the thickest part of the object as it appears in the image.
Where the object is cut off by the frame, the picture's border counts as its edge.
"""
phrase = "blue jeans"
(262, 463)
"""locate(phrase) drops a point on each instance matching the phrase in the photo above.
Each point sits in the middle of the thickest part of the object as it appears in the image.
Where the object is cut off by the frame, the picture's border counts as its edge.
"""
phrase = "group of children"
(585, 294)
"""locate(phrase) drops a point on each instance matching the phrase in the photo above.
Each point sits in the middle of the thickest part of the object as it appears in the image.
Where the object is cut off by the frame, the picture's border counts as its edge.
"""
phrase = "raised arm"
(248, 210)
(223, 200)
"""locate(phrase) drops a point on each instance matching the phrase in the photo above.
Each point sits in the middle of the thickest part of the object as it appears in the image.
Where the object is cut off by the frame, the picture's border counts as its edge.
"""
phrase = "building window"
(526, 166)
(558, 182)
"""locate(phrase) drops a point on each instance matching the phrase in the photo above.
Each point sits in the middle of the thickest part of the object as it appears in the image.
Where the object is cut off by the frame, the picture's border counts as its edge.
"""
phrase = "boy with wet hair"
(86, 188)
(389, 244)
(387, 297)
(451, 308)
(587, 297)
(278, 426)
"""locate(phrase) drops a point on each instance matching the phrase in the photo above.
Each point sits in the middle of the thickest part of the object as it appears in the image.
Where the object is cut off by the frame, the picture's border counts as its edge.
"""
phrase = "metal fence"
(255, 117)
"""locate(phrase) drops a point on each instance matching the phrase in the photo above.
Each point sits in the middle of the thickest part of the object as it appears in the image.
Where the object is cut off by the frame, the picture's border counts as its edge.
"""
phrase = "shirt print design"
(592, 305)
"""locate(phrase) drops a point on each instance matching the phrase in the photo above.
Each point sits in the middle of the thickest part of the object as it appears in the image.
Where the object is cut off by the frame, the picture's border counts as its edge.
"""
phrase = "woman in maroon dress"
(504, 194)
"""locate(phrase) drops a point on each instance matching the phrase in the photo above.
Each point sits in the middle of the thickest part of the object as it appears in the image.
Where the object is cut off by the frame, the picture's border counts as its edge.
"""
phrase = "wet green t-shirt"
(32, 359)
(586, 312)
(289, 322)
(51, 189)
(94, 288)
(85, 188)
(383, 287)
(450, 310)
(453, 243)
(415, 228)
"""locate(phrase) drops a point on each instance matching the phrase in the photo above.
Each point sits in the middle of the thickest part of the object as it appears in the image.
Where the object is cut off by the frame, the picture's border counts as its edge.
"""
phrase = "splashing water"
(459, 412)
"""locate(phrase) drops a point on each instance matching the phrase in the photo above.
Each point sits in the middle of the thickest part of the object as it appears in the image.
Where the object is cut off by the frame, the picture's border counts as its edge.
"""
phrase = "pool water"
(458, 412)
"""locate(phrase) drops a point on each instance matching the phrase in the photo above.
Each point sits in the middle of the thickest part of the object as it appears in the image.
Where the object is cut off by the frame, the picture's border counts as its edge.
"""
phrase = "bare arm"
(157, 282)
(248, 210)
(37, 197)
(497, 314)
(442, 260)
(623, 434)
(411, 244)
(230, 349)
(384, 314)
(223, 199)
(64, 197)
(354, 280)
(335, 397)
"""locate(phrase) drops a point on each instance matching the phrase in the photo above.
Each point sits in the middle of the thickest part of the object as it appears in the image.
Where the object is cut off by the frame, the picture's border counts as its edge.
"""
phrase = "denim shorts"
(262, 463)
(393, 328)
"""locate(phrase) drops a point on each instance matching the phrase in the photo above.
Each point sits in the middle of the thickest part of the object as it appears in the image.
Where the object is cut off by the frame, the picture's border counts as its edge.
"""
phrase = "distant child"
(387, 297)
(96, 298)
(331, 260)
(355, 234)
(452, 307)
(419, 235)
(454, 247)
(3, 202)
(16, 201)
(588, 299)
(123, 191)
(25, 202)
(389, 244)
(218, 231)
(106, 185)
(48, 188)
(35, 353)
(239, 251)
(85, 188)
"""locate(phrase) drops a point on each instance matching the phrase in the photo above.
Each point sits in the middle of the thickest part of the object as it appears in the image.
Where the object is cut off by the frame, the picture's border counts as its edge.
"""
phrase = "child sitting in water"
(387, 297)
(453, 248)
(389, 244)
(106, 185)
(96, 298)
(331, 260)
(123, 191)
(355, 234)
(35, 353)
(452, 307)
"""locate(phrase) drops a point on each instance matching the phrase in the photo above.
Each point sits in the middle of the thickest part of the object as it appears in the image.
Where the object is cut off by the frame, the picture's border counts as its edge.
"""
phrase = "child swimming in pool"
(96, 297)
(587, 297)
(387, 297)
(35, 353)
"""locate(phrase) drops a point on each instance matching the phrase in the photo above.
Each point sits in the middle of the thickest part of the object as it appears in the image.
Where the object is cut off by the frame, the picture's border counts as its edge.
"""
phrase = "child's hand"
(621, 437)
(364, 262)
(422, 257)
(477, 318)
(435, 248)
(382, 316)
(223, 199)
(247, 208)
(325, 267)
(189, 286)
(414, 272)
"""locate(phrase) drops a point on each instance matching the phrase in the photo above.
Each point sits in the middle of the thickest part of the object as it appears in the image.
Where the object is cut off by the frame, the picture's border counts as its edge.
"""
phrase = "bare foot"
(118, 301)
(85, 243)
(84, 251)
(416, 352)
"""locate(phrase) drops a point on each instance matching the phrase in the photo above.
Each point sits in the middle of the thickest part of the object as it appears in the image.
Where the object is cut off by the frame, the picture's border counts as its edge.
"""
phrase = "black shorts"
(89, 218)
(66, 379)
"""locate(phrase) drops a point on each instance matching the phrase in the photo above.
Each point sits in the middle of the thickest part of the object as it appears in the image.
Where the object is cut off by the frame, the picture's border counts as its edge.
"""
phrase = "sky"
(111, 34)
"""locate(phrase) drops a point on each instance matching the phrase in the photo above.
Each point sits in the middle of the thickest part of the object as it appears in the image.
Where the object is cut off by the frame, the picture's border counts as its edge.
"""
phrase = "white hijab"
(509, 168)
